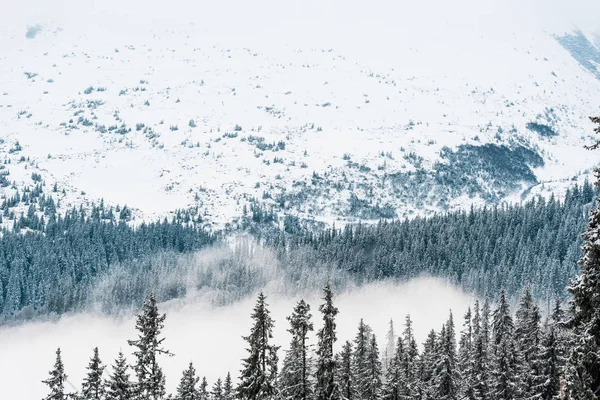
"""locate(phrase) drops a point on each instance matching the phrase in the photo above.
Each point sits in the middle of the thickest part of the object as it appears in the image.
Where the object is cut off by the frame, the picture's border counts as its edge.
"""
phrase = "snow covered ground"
(166, 106)
(211, 337)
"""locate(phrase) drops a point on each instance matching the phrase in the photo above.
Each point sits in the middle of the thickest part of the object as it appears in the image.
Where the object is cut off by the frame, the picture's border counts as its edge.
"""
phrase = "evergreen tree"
(294, 380)
(395, 381)
(345, 376)
(203, 389)
(259, 373)
(188, 389)
(325, 376)
(481, 348)
(360, 369)
(93, 387)
(504, 371)
(388, 353)
(56, 381)
(228, 388)
(150, 383)
(118, 386)
(583, 375)
(427, 364)
(217, 390)
(373, 383)
(410, 360)
(468, 376)
(547, 376)
(527, 340)
(446, 374)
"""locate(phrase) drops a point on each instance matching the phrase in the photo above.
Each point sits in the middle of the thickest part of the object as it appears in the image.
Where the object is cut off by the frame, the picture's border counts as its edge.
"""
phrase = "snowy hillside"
(321, 112)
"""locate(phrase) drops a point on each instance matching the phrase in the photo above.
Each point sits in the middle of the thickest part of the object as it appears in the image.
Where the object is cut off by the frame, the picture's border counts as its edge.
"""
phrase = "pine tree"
(395, 381)
(446, 374)
(150, 383)
(388, 353)
(427, 365)
(294, 380)
(217, 390)
(481, 349)
(259, 373)
(466, 352)
(345, 377)
(410, 360)
(57, 379)
(93, 387)
(188, 385)
(118, 385)
(583, 374)
(546, 381)
(373, 383)
(527, 340)
(325, 376)
(360, 369)
(203, 389)
(228, 388)
(504, 371)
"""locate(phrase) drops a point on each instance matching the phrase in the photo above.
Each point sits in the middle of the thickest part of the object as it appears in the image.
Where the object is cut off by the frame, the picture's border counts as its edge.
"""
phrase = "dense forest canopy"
(49, 266)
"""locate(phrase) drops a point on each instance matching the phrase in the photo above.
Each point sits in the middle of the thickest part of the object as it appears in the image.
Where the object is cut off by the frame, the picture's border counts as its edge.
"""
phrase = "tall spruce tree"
(388, 351)
(360, 361)
(57, 379)
(479, 357)
(395, 387)
(150, 383)
(188, 385)
(345, 376)
(527, 340)
(203, 389)
(118, 385)
(426, 370)
(468, 376)
(583, 374)
(373, 383)
(228, 391)
(258, 380)
(217, 390)
(504, 370)
(547, 374)
(411, 356)
(326, 388)
(93, 387)
(446, 373)
(294, 380)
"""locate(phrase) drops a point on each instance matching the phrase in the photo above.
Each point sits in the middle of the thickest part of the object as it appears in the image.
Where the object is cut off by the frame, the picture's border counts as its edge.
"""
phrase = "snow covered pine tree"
(258, 380)
(150, 383)
(583, 374)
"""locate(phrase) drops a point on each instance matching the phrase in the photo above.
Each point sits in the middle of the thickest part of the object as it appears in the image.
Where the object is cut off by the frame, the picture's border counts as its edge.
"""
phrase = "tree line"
(491, 354)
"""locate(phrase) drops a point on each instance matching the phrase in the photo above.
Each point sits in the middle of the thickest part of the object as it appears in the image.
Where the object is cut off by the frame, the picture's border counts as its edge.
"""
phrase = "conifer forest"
(300, 200)
(498, 349)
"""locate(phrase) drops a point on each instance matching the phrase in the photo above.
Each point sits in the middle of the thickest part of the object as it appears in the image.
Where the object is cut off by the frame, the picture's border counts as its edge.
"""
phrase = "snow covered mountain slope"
(334, 110)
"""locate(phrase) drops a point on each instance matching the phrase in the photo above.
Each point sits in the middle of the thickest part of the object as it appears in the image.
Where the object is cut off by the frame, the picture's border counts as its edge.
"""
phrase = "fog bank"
(210, 336)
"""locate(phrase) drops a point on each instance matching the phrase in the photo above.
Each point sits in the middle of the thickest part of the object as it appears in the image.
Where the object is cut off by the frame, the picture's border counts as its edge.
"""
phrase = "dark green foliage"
(118, 386)
(344, 373)
(541, 129)
(295, 380)
(326, 388)
(53, 269)
(56, 381)
(259, 371)
(93, 387)
(480, 250)
(584, 362)
(188, 386)
(150, 382)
